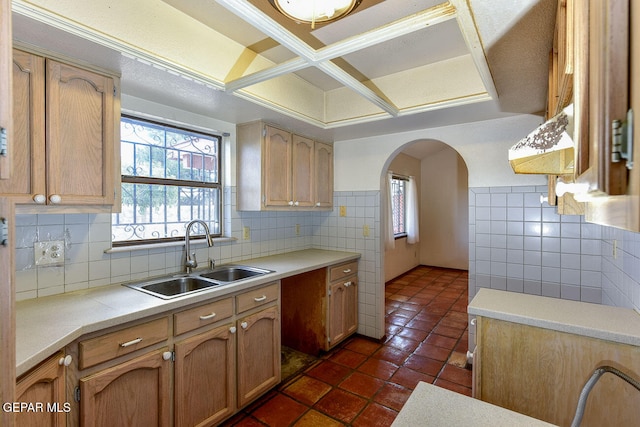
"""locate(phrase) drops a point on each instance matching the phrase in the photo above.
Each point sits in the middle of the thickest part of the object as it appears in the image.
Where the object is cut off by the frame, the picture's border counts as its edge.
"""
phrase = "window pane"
(152, 150)
(162, 211)
(398, 205)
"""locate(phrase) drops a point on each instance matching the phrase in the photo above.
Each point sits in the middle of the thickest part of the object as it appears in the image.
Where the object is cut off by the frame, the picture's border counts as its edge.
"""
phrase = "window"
(399, 205)
(170, 176)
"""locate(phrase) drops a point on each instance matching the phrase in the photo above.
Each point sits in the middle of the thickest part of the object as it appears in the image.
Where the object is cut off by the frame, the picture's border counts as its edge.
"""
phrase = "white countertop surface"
(46, 325)
(433, 406)
(621, 325)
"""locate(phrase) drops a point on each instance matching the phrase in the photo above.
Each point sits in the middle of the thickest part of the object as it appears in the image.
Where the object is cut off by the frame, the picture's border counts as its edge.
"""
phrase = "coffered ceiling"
(391, 65)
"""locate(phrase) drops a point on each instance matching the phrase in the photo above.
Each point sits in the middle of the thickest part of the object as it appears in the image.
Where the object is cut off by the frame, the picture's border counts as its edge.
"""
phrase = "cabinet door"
(277, 168)
(45, 385)
(27, 148)
(303, 171)
(205, 378)
(606, 90)
(134, 393)
(258, 354)
(80, 135)
(343, 310)
(7, 313)
(5, 85)
(323, 175)
(337, 311)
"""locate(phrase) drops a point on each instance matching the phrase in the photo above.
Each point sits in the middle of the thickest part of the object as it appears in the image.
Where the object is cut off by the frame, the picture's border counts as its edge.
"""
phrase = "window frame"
(396, 177)
(133, 179)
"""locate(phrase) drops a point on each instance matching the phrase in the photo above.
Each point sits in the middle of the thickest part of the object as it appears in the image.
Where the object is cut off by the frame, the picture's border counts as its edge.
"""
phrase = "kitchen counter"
(430, 405)
(45, 325)
(615, 324)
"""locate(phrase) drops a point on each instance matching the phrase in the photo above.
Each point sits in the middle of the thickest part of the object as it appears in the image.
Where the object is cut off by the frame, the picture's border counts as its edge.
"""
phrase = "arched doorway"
(443, 188)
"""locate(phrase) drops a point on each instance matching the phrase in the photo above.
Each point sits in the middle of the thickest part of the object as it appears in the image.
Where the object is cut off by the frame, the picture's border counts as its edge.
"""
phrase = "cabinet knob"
(244, 325)
(167, 355)
(296, 203)
(290, 202)
(66, 360)
(39, 199)
(318, 204)
(55, 198)
(232, 329)
(347, 284)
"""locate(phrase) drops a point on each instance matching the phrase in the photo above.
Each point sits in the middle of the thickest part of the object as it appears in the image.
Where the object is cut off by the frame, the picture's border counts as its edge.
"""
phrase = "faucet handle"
(212, 263)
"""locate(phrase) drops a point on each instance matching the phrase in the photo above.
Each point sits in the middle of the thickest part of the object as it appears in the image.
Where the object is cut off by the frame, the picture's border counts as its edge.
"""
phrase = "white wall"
(444, 211)
(359, 163)
(404, 256)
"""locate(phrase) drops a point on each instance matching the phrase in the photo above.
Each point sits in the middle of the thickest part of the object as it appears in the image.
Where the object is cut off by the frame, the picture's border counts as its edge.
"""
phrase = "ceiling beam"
(271, 28)
(434, 15)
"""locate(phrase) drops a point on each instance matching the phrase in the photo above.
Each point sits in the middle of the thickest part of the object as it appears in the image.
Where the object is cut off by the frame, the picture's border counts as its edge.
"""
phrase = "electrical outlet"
(246, 233)
(343, 211)
(297, 229)
(49, 253)
(615, 249)
(365, 230)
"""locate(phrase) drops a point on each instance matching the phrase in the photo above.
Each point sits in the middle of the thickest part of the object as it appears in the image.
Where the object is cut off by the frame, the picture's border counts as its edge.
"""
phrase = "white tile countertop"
(46, 325)
(433, 406)
(616, 324)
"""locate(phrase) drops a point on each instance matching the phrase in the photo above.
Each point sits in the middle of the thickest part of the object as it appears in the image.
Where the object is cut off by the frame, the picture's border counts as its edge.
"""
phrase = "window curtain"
(413, 231)
(389, 238)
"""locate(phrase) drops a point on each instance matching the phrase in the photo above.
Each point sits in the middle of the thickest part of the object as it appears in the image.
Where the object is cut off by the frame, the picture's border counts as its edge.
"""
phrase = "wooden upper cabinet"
(279, 170)
(277, 167)
(66, 130)
(5, 89)
(28, 149)
(80, 135)
(604, 90)
(324, 175)
(303, 167)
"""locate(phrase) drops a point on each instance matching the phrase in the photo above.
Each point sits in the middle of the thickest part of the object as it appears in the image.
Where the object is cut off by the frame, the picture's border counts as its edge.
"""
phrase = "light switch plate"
(49, 253)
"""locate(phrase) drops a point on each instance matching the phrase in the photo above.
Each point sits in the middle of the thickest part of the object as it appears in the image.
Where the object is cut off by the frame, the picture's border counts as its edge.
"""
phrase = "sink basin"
(233, 273)
(173, 287)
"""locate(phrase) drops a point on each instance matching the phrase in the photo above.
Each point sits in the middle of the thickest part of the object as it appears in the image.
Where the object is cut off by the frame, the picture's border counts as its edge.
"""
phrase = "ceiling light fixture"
(312, 11)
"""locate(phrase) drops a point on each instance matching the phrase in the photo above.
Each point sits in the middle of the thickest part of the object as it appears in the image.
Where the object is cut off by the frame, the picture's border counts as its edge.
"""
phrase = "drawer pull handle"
(347, 284)
(208, 316)
(130, 343)
(347, 271)
(260, 299)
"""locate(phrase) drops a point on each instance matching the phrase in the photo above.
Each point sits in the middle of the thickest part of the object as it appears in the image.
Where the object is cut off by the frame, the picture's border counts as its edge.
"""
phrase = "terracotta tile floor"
(364, 382)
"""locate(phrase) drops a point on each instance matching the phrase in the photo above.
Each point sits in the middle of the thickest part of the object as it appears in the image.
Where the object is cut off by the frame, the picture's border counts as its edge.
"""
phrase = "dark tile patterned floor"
(363, 382)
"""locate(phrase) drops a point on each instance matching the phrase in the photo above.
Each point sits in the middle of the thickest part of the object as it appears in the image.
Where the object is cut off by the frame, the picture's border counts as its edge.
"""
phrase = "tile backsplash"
(518, 243)
(87, 236)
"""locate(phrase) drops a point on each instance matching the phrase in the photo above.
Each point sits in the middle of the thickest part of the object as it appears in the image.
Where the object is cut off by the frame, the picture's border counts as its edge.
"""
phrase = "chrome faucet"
(190, 258)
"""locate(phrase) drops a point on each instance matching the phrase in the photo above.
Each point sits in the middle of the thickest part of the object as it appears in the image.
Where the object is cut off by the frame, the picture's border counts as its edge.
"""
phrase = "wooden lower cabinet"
(205, 377)
(44, 385)
(133, 393)
(540, 373)
(258, 354)
(343, 310)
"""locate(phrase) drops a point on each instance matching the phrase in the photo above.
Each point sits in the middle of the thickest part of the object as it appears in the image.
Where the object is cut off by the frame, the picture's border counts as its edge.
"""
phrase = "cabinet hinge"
(329, 339)
(4, 232)
(264, 131)
(76, 394)
(3, 142)
(329, 292)
(622, 140)
(115, 91)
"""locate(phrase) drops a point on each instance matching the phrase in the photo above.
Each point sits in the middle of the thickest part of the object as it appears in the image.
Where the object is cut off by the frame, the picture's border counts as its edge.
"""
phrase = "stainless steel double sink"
(183, 284)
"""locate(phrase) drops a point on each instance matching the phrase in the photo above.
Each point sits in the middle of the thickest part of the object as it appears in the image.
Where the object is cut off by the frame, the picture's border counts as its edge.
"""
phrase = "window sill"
(399, 236)
(132, 248)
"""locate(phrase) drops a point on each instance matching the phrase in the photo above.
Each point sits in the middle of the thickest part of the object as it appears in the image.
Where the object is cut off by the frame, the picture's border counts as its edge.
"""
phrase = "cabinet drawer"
(194, 318)
(109, 346)
(257, 297)
(340, 271)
